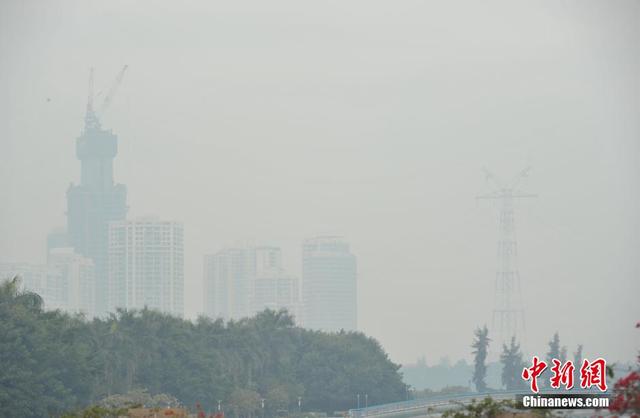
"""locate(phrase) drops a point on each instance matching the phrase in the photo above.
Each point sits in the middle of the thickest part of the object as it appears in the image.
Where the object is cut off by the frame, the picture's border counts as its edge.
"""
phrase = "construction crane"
(91, 118)
(112, 91)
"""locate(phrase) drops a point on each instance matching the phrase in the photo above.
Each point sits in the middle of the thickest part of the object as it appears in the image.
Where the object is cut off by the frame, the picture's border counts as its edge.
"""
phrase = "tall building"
(329, 285)
(96, 201)
(57, 238)
(146, 265)
(276, 290)
(66, 282)
(33, 277)
(227, 283)
(238, 282)
(72, 286)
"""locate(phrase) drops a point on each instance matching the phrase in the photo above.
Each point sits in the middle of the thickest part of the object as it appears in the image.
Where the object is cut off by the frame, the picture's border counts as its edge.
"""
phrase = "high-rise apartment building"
(96, 201)
(66, 282)
(238, 282)
(146, 265)
(227, 283)
(72, 286)
(57, 238)
(33, 277)
(276, 290)
(329, 285)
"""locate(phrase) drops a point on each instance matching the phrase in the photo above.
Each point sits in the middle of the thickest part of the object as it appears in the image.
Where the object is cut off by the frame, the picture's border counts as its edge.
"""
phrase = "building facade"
(71, 287)
(146, 265)
(66, 282)
(95, 202)
(239, 282)
(227, 283)
(33, 277)
(329, 294)
(276, 290)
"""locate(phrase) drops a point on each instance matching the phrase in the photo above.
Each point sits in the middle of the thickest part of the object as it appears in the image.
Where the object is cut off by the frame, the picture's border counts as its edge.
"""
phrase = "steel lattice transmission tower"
(508, 313)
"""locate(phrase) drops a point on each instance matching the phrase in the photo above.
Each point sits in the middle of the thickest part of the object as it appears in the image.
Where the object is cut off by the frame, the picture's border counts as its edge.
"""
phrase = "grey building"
(57, 238)
(227, 283)
(71, 287)
(238, 282)
(276, 290)
(329, 294)
(96, 201)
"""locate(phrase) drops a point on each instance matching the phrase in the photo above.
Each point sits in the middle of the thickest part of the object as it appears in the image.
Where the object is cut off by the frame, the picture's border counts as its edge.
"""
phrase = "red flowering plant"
(201, 413)
(626, 393)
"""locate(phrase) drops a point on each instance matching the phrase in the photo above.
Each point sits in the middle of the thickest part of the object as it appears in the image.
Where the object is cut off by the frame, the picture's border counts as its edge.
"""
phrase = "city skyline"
(367, 123)
(241, 281)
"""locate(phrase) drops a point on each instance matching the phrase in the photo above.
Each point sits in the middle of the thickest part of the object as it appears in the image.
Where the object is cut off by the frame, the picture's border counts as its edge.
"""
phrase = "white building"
(238, 282)
(72, 286)
(67, 282)
(276, 290)
(146, 265)
(33, 277)
(227, 283)
(329, 294)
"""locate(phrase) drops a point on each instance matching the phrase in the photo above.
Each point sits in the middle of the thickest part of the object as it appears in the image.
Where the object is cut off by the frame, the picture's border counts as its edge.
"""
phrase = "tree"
(563, 354)
(554, 348)
(41, 358)
(626, 392)
(54, 362)
(512, 365)
(277, 399)
(555, 352)
(244, 403)
(577, 356)
(480, 346)
(139, 397)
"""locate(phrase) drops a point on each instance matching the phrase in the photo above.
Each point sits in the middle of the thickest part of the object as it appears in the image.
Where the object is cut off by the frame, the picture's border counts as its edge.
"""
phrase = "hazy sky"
(273, 121)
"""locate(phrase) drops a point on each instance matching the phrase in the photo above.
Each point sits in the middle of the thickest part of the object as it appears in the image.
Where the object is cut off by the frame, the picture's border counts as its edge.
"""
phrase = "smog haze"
(271, 122)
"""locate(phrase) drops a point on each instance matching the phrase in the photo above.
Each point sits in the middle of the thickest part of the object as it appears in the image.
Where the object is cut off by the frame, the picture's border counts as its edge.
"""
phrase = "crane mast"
(91, 119)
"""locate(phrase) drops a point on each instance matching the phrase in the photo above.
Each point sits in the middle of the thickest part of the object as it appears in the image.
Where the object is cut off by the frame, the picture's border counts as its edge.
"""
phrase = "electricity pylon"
(508, 314)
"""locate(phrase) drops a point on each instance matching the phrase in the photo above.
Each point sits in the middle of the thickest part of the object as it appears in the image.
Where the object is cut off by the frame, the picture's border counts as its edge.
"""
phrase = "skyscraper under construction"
(97, 200)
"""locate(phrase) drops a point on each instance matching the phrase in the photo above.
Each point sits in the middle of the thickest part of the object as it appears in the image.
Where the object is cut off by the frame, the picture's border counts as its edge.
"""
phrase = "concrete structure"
(72, 285)
(238, 282)
(57, 238)
(276, 290)
(33, 277)
(329, 285)
(146, 265)
(66, 282)
(96, 201)
(227, 283)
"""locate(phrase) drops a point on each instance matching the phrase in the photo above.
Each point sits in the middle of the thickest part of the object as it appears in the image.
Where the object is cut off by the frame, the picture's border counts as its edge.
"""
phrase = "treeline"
(512, 361)
(444, 376)
(52, 362)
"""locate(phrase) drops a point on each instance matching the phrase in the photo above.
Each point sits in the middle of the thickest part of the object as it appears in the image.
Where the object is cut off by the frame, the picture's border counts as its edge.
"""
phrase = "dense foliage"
(626, 392)
(53, 362)
(512, 365)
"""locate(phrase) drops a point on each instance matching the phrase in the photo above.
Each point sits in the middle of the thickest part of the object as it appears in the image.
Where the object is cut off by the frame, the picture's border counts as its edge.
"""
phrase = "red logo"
(594, 374)
(591, 374)
(533, 372)
(562, 374)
